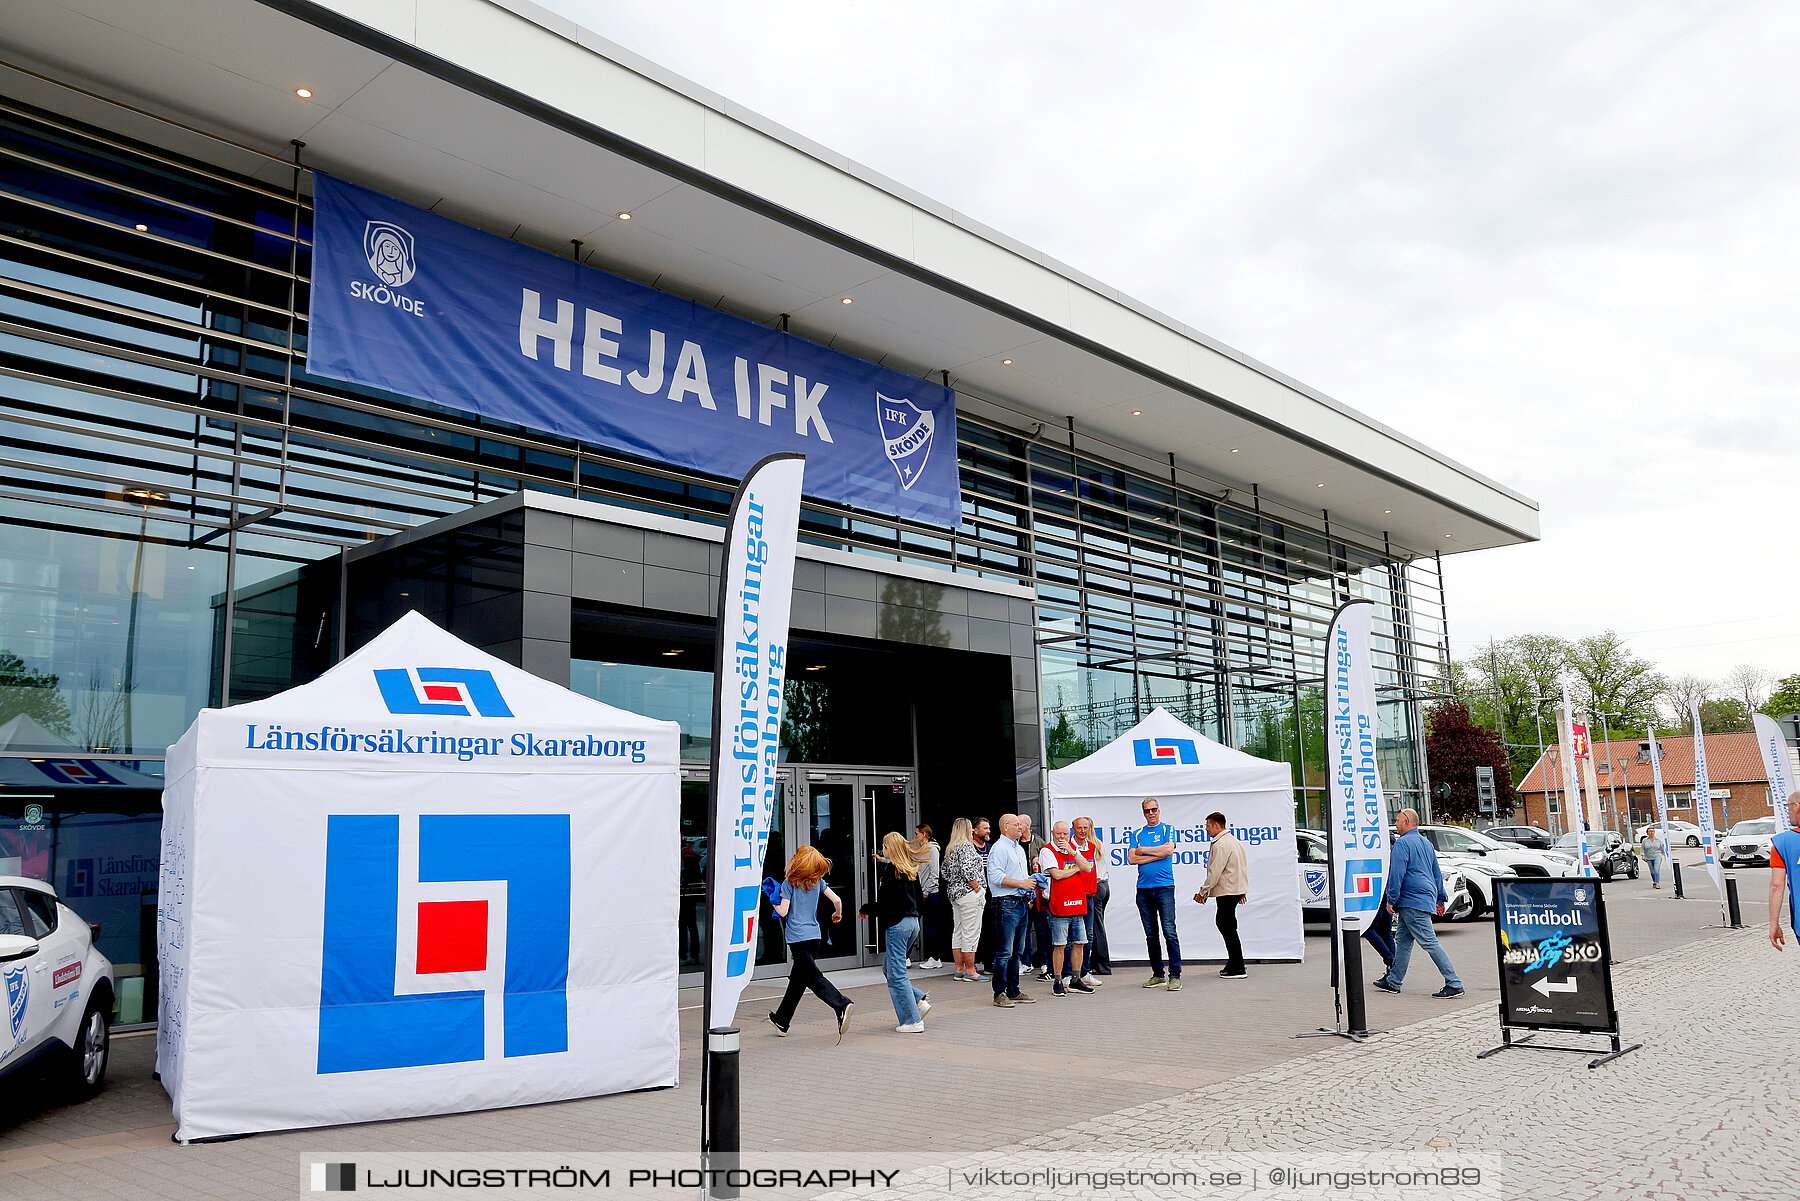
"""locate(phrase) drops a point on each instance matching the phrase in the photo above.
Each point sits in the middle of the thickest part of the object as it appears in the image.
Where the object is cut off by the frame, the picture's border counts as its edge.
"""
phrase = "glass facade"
(170, 467)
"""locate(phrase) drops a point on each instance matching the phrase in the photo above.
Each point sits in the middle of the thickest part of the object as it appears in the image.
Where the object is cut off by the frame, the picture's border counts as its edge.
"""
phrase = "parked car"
(57, 988)
(1534, 838)
(1315, 882)
(1518, 860)
(1680, 833)
(1747, 842)
(1607, 853)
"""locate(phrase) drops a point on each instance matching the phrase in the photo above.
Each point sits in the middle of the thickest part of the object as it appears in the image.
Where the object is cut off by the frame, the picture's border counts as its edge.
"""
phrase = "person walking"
(931, 915)
(1227, 885)
(1784, 861)
(1415, 888)
(897, 901)
(800, 893)
(1070, 874)
(1098, 962)
(1150, 851)
(964, 885)
(1650, 842)
(1011, 884)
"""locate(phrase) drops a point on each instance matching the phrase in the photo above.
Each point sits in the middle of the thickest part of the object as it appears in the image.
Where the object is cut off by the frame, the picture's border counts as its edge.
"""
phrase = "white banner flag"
(1703, 804)
(1571, 778)
(756, 589)
(1359, 824)
(1775, 761)
(1662, 802)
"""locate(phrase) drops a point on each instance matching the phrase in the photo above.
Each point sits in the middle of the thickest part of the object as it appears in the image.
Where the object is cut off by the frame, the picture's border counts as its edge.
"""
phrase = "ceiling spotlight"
(1446, 535)
(847, 300)
(1387, 510)
(1319, 485)
(303, 93)
(624, 216)
(1234, 450)
(816, 667)
(1006, 362)
(143, 229)
(666, 654)
(1137, 412)
(146, 496)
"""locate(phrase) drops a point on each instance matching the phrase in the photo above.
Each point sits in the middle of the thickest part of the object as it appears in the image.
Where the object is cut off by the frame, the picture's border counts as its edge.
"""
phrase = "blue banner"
(414, 303)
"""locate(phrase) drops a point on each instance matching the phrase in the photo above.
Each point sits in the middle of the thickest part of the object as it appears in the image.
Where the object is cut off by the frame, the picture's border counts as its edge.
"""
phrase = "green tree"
(1062, 744)
(1785, 699)
(33, 693)
(1454, 747)
(1724, 715)
(1615, 680)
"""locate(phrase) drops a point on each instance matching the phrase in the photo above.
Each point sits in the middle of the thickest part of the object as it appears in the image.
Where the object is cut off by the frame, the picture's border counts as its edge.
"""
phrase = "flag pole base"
(721, 1154)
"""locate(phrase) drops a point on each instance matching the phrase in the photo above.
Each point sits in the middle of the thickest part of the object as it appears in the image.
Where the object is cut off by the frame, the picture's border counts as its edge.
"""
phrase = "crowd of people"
(1004, 908)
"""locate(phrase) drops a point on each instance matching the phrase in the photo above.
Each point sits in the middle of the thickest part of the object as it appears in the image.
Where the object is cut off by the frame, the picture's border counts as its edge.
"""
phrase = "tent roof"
(417, 649)
(1115, 770)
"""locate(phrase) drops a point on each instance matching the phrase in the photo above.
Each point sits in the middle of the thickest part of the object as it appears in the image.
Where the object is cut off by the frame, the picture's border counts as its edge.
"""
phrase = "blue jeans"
(1152, 904)
(1012, 917)
(900, 938)
(1415, 926)
(1655, 868)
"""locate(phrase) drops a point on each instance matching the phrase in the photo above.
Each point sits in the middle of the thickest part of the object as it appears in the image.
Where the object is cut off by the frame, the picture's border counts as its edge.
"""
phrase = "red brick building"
(1734, 766)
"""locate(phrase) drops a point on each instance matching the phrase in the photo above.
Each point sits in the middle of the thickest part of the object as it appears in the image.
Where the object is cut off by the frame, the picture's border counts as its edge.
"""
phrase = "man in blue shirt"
(1150, 851)
(1011, 885)
(1784, 861)
(1415, 889)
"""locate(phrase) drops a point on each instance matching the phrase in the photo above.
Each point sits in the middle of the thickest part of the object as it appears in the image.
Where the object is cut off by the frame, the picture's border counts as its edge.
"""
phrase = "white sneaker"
(910, 1028)
(932, 964)
(924, 1008)
(1091, 980)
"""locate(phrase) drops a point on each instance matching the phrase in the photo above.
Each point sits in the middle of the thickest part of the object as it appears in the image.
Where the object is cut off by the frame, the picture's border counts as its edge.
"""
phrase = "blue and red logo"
(81, 772)
(1362, 885)
(365, 1021)
(441, 691)
(1153, 751)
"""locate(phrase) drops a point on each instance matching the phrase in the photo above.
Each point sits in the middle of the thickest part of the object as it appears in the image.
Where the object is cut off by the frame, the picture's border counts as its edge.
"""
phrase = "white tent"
(426, 882)
(1191, 776)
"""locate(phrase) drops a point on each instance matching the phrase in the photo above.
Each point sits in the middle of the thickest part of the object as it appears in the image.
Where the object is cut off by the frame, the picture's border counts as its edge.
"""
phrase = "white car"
(1479, 859)
(1680, 833)
(1315, 882)
(1747, 842)
(57, 988)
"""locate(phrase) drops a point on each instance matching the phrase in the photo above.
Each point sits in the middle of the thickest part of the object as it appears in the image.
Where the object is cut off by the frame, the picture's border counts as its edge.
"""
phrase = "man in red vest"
(1071, 882)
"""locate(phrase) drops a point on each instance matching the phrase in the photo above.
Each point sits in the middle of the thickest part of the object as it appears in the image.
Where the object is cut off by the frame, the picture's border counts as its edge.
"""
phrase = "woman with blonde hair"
(798, 910)
(897, 904)
(962, 885)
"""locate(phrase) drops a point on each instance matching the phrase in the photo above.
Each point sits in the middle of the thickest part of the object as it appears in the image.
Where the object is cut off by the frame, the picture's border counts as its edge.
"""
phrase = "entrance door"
(844, 813)
(696, 816)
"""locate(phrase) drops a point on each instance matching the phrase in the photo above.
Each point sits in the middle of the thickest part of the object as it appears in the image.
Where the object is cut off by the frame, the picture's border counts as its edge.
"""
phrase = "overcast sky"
(1558, 242)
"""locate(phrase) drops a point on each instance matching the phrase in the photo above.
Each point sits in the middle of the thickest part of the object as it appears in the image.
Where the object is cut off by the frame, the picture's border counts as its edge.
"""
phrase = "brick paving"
(1223, 1072)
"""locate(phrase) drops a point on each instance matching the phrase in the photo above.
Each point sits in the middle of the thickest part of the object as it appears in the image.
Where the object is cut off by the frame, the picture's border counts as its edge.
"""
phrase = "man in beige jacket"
(1227, 882)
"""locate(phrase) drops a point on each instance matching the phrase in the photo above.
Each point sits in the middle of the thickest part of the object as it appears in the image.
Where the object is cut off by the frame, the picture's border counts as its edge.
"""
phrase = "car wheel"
(1604, 869)
(87, 1071)
(1693, 840)
(1632, 871)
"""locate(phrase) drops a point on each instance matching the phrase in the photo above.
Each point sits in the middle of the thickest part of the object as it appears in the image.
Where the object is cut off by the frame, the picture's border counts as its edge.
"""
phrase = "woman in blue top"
(799, 912)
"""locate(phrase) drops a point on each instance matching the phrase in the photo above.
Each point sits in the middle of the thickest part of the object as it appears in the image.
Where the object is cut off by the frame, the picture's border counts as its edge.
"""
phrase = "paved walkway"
(1213, 1066)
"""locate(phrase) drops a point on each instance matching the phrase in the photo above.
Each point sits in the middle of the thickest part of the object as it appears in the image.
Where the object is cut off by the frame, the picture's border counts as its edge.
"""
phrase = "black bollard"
(1676, 868)
(1731, 903)
(1353, 984)
(721, 1111)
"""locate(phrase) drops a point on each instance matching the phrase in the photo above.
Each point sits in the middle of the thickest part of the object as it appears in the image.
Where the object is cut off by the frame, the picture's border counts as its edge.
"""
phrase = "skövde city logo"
(391, 253)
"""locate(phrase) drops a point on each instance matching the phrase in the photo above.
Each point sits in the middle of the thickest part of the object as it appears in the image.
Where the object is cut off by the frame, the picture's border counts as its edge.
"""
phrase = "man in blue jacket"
(1415, 889)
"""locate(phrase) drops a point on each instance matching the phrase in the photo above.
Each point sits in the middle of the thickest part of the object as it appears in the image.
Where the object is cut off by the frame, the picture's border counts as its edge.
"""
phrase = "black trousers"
(990, 932)
(1097, 956)
(805, 975)
(1227, 920)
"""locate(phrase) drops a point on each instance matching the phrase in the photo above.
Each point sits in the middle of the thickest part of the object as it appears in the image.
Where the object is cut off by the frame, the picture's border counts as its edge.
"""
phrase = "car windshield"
(1761, 825)
(1567, 840)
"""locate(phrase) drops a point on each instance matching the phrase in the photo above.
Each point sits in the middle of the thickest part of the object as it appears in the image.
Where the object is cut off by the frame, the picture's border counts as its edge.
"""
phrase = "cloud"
(1553, 241)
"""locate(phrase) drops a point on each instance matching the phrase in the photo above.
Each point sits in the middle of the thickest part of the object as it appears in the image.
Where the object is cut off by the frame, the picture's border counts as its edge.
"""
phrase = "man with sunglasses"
(1150, 851)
